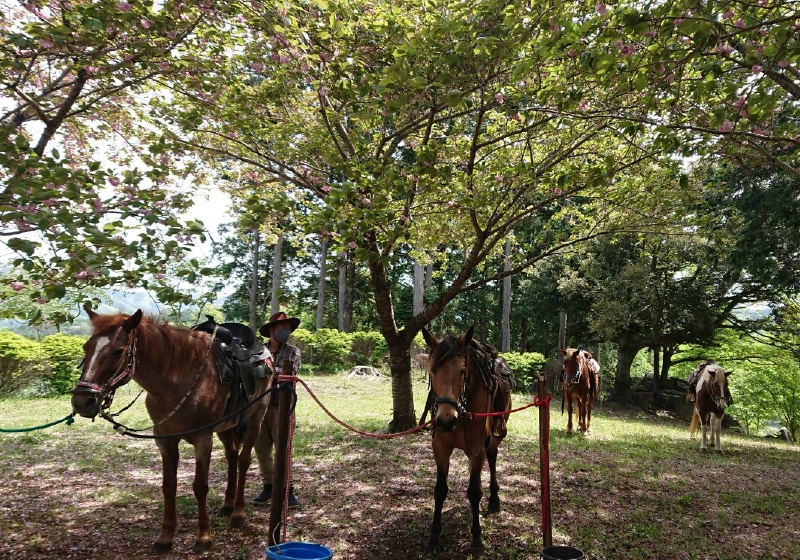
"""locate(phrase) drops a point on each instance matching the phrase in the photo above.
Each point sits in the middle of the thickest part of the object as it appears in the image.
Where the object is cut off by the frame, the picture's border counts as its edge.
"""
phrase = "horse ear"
(89, 311)
(133, 321)
(429, 338)
(467, 338)
(562, 351)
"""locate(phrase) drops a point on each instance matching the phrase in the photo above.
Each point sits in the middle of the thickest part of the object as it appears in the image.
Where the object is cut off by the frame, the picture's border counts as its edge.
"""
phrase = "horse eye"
(118, 352)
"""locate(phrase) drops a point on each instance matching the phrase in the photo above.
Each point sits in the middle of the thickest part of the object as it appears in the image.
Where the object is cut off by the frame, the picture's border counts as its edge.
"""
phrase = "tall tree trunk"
(428, 276)
(666, 363)
(254, 274)
(321, 286)
(275, 304)
(417, 300)
(505, 344)
(656, 368)
(523, 335)
(623, 385)
(403, 416)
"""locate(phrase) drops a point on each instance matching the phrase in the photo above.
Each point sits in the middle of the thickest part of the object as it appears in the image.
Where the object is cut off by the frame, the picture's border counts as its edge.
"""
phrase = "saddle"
(241, 359)
(497, 377)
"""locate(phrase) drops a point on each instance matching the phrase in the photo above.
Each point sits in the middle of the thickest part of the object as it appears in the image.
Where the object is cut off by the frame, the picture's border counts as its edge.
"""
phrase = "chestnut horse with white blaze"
(712, 396)
(580, 376)
(468, 383)
(185, 397)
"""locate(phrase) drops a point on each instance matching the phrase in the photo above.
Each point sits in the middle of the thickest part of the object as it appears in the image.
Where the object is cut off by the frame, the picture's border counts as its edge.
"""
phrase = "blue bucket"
(299, 551)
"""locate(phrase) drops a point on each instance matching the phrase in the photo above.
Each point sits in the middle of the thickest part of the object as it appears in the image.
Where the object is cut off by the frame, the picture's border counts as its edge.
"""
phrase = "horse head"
(108, 361)
(447, 365)
(717, 386)
(573, 364)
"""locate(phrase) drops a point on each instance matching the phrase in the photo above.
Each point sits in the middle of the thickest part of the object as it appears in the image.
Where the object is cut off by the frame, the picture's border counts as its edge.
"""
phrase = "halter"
(461, 404)
(106, 392)
(580, 360)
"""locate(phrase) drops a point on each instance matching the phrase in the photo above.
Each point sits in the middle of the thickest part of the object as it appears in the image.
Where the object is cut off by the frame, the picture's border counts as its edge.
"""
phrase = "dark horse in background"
(712, 396)
(177, 368)
(467, 381)
(580, 377)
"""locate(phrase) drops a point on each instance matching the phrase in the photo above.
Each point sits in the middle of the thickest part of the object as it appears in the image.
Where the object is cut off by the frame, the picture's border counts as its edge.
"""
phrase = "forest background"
(395, 165)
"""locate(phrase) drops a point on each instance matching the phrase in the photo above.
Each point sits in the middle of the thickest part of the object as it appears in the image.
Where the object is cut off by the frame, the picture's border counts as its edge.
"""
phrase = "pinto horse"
(467, 384)
(185, 397)
(711, 397)
(581, 380)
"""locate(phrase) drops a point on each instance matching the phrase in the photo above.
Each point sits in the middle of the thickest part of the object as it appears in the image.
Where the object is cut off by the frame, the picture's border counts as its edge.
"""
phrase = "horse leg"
(589, 405)
(244, 460)
(169, 487)
(228, 443)
(202, 462)
(569, 414)
(442, 456)
(704, 427)
(494, 487)
(716, 430)
(475, 493)
(582, 415)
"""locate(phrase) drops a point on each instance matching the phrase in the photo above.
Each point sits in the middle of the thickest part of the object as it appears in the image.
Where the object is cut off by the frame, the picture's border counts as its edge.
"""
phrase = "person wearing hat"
(277, 330)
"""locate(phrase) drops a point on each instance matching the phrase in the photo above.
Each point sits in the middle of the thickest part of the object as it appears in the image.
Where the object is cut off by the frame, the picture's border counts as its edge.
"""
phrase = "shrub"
(332, 348)
(526, 367)
(21, 362)
(64, 353)
(368, 348)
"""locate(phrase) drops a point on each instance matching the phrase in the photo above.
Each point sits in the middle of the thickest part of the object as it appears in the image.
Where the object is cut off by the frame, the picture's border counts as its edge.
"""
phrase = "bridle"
(105, 393)
(580, 361)
(461, 404)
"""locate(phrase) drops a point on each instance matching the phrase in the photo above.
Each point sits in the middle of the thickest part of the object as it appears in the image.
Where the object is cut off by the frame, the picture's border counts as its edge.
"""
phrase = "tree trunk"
(346, 279)
(505, 343)
(321, 286)
(623, 385)
(417, 303)
(275, 304)
(253, 308)
(403, 416)
(523, 335)
(656, 368)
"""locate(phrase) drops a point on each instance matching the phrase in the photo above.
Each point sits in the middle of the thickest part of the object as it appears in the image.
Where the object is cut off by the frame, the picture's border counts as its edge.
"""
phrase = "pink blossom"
(669, 78)
(450, 203)
(92, 70)
(82, 274)
(584, 105)
(257, 66)
(679, 21)
(114, 181)
(740, 102)
(740, 23)
(403, 219)
(367, 201)
(757, 69)
(145, 23)
(324, 91)
(499, 97)
(783, 63)
(17, 285)
(124, 7)
(601, 8)
(726, 126)
(326, 189)
(556, 191)
(352, 245)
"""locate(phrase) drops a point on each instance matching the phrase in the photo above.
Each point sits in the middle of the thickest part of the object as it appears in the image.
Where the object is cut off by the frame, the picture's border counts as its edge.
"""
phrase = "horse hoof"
(237, 522)
(201, 547)
(225, 511)
(494, 505)
(161, 548)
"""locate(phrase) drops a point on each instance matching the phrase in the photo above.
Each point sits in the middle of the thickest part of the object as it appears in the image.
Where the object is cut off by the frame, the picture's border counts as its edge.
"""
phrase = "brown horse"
(465, 387)
(711, 397)
(177, 369)
(580, 376)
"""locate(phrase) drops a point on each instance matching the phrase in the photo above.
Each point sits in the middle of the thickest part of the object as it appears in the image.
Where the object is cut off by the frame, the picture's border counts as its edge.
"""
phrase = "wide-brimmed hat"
(279, 317)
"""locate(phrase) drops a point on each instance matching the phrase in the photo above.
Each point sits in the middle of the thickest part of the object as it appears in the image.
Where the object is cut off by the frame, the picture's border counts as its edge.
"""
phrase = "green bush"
(332, 348)
(21, 362)
(64, 353)
(526, 367)
(368, 348)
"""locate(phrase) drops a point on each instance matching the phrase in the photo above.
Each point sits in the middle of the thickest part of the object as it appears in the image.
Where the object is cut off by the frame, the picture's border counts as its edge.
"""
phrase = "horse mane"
(175, 346)
(446, 348)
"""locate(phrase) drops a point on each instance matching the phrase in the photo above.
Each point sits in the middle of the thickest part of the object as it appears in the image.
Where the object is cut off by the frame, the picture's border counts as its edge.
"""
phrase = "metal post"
(280, 472)
(544, 461)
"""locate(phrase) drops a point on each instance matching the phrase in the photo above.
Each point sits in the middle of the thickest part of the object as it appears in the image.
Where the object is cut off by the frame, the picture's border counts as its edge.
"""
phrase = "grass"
(636, 488)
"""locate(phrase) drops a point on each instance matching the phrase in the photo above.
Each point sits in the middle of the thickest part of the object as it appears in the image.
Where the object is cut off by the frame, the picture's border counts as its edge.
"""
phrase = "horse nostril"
(446, 424)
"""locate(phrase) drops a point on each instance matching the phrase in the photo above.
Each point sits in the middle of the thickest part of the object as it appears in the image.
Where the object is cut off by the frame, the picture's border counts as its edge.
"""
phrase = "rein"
(126, 373)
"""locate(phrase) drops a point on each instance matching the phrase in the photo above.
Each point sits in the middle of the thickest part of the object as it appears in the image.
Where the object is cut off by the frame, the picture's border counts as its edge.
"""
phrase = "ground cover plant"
(637, 488)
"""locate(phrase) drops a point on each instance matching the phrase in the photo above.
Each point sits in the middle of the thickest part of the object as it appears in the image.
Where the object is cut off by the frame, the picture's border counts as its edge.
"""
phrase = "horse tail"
(694, 424)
